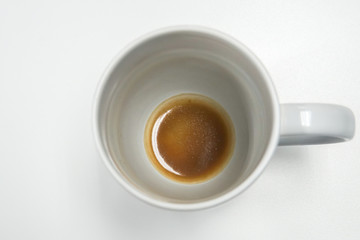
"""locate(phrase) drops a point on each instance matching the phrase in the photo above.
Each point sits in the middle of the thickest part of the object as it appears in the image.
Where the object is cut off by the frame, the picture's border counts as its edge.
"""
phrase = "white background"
(53, 184)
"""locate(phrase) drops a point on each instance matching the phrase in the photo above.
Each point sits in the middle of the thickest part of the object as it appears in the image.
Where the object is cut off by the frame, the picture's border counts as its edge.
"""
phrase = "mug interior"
(168, 63)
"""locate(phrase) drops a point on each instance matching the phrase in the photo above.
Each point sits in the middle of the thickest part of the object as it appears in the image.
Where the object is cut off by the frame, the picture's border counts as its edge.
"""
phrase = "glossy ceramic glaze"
(199, 60)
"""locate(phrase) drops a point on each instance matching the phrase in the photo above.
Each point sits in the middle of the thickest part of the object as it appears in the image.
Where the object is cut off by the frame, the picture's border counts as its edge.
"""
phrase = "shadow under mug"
(199, 60)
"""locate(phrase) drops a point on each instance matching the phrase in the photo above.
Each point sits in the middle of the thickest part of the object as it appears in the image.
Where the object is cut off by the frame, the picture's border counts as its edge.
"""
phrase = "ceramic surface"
(200, 60)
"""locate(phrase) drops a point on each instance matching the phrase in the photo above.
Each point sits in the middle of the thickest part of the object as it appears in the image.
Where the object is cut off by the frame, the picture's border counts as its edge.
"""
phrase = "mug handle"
(313, 123)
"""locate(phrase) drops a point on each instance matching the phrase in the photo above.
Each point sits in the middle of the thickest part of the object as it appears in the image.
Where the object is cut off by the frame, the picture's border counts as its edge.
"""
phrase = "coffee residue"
(189, 138)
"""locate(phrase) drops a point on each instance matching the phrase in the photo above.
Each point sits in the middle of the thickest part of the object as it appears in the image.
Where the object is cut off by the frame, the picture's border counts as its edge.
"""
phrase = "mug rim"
(274, 138)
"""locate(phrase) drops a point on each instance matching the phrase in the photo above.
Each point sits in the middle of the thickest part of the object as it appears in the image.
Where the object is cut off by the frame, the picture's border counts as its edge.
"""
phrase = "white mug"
(199, 60)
